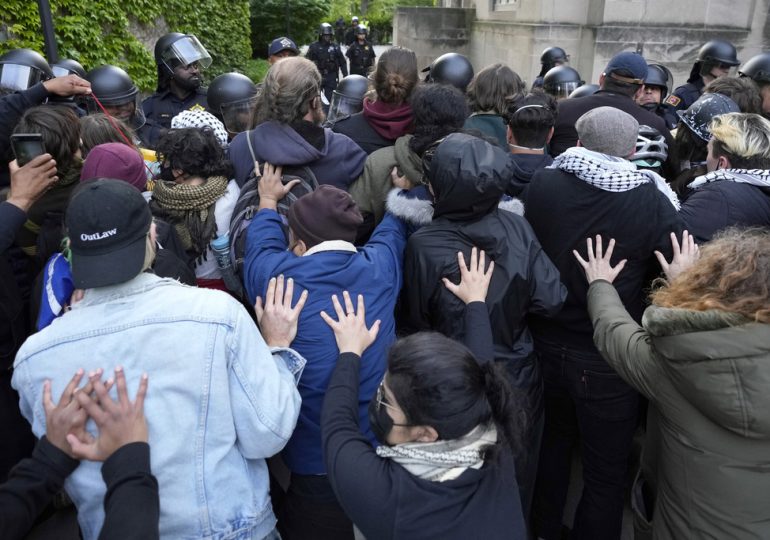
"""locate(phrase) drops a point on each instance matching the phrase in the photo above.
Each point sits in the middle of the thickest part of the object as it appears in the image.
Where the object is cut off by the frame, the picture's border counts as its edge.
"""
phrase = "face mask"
(167, 174)
(380, 421)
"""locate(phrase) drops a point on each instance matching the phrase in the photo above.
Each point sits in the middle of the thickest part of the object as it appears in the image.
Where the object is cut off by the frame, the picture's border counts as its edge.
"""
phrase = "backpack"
(247, 205)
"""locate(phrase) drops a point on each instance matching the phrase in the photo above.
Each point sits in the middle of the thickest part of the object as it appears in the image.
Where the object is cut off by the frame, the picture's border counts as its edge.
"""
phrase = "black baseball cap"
(107, 221)
(282, 44)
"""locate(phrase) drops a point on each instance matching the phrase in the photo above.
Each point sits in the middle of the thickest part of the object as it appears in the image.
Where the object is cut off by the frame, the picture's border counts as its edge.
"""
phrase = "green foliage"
(256, 69)
(378, 15)
(97, 32)
(297, 19)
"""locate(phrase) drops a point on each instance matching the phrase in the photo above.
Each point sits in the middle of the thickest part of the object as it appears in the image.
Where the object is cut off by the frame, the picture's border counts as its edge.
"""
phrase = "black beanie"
(328, 213)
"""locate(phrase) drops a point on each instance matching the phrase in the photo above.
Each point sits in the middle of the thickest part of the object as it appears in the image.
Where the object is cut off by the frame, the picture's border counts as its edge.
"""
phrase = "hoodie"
(337, 160)
(523, 167)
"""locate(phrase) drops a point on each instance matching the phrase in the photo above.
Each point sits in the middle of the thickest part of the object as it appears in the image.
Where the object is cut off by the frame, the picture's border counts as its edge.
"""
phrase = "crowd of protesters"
(409, 322)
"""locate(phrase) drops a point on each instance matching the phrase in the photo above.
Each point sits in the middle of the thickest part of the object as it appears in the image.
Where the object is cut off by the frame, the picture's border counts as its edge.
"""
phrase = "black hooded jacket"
(468, 177)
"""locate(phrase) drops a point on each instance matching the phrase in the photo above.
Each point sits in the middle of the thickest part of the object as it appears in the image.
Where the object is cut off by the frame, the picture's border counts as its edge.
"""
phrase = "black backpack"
(248, 205)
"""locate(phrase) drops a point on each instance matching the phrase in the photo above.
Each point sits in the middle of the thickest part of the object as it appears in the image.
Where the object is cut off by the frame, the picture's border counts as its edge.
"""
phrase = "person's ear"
(426, 434)
(509, 136)
(299, 249)
(723, 163)
(578, 143)
(548, 137)
(178, 173)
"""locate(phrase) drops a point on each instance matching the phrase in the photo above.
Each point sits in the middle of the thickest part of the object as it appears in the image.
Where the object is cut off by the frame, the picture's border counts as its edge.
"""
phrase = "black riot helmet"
(67, 66)
(23, 68)
(659, 75)
(177, 49)
(232, 98)
(552, 57)
(584, 90)
(718, 51)
(561, 81)
(348, 97)
(114, 89)
(325, 30)
(450, 68)
(757, 68)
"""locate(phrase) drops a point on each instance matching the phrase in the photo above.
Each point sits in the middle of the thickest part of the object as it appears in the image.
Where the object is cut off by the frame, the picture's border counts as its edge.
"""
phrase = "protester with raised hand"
(701, 357)
(447, 428)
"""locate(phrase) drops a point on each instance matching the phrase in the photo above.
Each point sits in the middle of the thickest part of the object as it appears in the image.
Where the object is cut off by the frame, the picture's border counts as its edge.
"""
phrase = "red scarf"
(388, 120)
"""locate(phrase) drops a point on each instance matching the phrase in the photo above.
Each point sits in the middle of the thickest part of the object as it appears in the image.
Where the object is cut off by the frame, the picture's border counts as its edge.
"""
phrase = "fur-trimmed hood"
(415, 206)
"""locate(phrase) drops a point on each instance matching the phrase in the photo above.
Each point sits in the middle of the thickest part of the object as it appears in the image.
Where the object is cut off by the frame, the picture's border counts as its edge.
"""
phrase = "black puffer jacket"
(468, 177)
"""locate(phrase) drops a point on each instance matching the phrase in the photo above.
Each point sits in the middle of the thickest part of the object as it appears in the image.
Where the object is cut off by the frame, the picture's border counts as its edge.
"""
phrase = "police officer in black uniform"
(758, 70)
(550, 58)
(715, 59)
(329, 60)
(561, 81)
(450, 68)
(657, 86)
(361, 53)
(180, 59)
(350, 34)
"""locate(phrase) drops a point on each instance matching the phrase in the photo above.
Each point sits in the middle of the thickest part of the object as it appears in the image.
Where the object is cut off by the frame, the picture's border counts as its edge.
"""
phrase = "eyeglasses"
(382, 399)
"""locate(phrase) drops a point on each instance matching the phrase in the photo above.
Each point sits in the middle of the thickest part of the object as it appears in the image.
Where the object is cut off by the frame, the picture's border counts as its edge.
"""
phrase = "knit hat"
(328, 213)
(108, 222)
(608, 130)
(628, 67)
(201, 119)
(115, 160)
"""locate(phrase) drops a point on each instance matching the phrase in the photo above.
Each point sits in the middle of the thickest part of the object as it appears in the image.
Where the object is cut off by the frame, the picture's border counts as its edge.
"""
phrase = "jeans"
(585, 401)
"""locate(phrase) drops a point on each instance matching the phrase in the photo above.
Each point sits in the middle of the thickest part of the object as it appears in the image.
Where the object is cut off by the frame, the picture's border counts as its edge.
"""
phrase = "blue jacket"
(373, 270)
(338, 162)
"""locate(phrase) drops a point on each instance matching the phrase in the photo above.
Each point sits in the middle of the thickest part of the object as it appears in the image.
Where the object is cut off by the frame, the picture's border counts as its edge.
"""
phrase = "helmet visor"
(237, 116)
(129, 111)
(342, 106)
(59, 71)
(18, 77)
(563, 89)
(185, 51)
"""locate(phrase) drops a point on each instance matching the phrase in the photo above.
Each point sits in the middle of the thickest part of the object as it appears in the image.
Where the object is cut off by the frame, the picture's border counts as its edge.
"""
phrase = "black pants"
(585, 400)
(310, 511)
(16, 438)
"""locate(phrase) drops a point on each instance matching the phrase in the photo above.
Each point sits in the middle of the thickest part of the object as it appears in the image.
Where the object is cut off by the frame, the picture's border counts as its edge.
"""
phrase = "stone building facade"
(516, 31)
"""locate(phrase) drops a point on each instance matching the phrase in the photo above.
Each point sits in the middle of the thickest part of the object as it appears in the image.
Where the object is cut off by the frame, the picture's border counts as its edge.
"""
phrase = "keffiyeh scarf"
(609, 173)
(755, 177)
(443, 460)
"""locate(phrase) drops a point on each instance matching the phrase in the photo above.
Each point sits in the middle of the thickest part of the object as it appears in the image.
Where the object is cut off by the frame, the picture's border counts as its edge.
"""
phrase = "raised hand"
(277, 319)
(350, 329)
(598, 266)
(271, 187)
(684, 255)
(474, 281)
(119, 423)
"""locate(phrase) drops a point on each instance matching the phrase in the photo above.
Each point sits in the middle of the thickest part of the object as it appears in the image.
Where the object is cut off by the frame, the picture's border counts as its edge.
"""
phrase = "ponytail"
(507, 411)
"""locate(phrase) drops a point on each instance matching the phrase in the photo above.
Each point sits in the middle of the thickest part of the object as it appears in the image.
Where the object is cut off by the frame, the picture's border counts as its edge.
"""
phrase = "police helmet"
(325, 30)
(651, 148)
(23, 68)
(348, 97)
(561, 81)
(699, 115)
(450, 68)
(361, 29)
(114, 88)
(67, 66)
(659, 75)
(718, 51)
(551, 55)
(232, 98)
(757, 68)
(177, 49)
(584, 90)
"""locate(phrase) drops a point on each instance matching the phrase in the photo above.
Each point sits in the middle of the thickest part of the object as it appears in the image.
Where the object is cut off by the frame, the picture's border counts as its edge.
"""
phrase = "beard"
(190, 83)
(318, 114)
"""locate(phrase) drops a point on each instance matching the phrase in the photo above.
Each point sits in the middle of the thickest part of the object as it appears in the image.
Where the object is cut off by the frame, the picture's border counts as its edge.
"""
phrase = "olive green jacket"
(708, 374)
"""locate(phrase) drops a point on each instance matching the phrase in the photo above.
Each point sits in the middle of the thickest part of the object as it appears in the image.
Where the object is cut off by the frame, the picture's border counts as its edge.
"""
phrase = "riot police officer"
(450, 68)
(715, 58)
(561, 81)
(180, 59)
(657, 86)
(233, 98)
(328, 58)
(361, 53)
(23, 68)
(348, 98)
(350, 34)
(758, 69)
(62, 68)
(550, 58)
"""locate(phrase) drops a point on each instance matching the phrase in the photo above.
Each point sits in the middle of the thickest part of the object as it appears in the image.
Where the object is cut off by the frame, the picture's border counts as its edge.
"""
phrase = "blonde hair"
(743, 138)
(288, 89)
(732, 275)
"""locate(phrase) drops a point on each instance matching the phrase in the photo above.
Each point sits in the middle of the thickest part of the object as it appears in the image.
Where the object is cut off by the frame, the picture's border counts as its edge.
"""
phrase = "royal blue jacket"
(373, 270)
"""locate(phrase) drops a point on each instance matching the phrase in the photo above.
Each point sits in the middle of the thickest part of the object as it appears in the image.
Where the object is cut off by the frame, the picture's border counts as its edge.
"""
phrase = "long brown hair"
(732, 274)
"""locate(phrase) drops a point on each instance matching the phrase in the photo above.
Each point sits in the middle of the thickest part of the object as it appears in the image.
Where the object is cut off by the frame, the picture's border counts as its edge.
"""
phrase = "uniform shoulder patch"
(672, 100)
(197, 107)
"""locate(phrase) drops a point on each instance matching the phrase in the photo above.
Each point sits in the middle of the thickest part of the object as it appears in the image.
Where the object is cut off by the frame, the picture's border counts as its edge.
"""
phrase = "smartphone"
(27, 146)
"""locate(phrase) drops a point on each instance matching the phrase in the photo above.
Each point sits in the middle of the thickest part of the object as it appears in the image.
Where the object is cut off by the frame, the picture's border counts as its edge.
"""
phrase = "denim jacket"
(219, 402)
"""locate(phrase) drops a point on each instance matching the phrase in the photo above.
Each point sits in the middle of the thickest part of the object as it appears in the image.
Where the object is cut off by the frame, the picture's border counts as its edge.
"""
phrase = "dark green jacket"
(708, 374)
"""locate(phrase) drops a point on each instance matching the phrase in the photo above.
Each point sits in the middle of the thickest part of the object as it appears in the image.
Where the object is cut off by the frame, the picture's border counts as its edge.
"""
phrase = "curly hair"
(492, 87)
(194, 151)
(289, 87)
(439, 109)
(732, 275)
(395, 75)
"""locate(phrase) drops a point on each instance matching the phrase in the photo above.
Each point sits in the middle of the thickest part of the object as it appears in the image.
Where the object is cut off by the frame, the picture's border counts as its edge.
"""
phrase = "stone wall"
(516, 31)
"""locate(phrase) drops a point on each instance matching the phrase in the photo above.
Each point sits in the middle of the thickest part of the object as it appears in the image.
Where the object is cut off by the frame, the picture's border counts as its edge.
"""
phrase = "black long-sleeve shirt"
(131, 504)
(385, 500)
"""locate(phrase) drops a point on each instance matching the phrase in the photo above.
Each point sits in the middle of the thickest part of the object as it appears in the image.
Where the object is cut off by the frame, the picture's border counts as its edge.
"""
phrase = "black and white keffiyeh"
(609, 173)
(755, 177)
